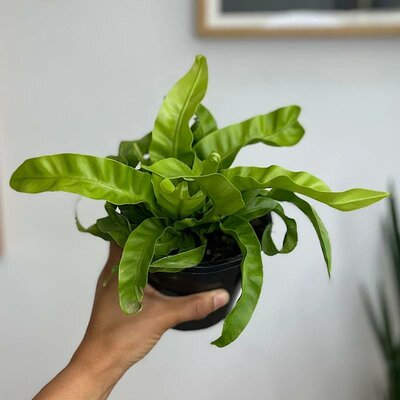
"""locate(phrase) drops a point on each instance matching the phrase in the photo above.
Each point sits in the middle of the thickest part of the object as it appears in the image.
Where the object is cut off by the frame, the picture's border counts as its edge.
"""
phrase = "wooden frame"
(211, 22)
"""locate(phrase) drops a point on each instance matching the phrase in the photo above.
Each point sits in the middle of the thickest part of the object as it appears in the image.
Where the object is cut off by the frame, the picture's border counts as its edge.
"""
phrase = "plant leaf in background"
(172, 136)
(92, 229)
(135, 261)
(384, 319)
(278, 128)
(261, 206)
(205, 123)
(211, 164)
(193, 223)
(170, 168)
(135, 213)
(115, 225)
(247, 178)
(393, 237)
(131, 152)
(314, 218)
(226, 198)
(169, 241)
(180, 261)
(93, 177)
(252, 277)
(289, 241)
(176, 201)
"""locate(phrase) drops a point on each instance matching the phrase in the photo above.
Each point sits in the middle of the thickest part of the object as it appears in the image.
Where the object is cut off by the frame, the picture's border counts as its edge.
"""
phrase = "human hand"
(114, 341)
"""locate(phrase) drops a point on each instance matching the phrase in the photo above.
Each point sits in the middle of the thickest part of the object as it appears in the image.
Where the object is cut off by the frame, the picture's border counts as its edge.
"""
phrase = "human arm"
(113, 341)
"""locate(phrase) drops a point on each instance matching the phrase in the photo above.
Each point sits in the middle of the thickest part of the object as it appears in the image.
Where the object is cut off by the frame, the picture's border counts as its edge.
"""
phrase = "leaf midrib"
(142, 254)
(78, 179)
(254, 136)
(334, 203)
(184, 107)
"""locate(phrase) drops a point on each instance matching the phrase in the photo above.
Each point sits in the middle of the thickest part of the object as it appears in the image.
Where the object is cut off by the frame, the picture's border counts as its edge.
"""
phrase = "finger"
(196, 306)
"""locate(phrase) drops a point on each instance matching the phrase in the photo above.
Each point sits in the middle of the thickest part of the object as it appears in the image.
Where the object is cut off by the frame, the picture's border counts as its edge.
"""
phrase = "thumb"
(197, 306)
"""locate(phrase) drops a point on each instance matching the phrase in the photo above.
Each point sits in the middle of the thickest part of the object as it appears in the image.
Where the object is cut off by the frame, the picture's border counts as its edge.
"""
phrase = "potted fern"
(183, 216)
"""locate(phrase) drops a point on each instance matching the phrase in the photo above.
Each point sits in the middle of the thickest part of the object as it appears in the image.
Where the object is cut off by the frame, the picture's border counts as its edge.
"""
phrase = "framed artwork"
(298, 17)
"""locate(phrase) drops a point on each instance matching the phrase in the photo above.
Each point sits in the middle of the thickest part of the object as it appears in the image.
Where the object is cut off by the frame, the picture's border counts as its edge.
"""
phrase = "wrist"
(98, 363)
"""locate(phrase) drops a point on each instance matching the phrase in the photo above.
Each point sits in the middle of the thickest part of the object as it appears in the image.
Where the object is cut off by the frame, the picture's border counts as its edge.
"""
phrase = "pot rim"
(209, 267)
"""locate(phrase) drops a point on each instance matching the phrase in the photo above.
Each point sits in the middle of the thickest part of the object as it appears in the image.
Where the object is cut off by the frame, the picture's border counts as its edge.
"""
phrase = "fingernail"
(220, 299)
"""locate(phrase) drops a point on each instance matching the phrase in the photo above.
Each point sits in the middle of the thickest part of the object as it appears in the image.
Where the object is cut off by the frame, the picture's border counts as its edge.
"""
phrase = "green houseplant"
(169, 191)
(384, 318)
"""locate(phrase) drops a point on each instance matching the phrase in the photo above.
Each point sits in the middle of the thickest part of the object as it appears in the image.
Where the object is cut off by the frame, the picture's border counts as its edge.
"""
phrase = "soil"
(222, 247)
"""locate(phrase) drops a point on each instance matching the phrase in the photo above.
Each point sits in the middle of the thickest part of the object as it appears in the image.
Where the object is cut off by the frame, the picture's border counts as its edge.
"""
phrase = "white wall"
(79, 76)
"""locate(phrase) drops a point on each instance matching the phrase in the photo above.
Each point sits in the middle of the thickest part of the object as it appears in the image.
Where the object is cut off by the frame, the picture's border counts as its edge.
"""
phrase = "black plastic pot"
(205, 276)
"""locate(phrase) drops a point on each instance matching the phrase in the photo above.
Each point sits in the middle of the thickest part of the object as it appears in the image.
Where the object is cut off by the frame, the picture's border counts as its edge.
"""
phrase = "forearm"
(71, 384)
(90, 375)
(114, 341)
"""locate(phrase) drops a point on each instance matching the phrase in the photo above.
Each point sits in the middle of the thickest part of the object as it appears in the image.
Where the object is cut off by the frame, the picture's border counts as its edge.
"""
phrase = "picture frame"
(214, 21)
